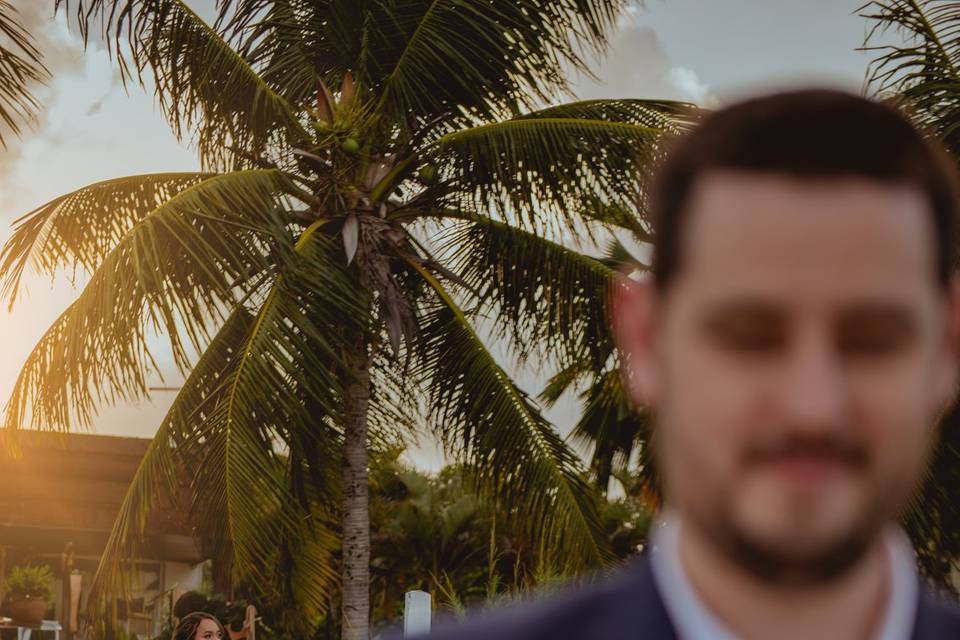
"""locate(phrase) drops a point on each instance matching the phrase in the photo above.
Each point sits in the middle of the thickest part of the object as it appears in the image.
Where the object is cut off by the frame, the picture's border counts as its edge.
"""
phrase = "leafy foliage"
(204, 86)
(30, 581)
(433, 533)
(475, 405)
(20, 66)
(922, 74)
(80, 228)
(556, 299)
(584, 161)
(339, 137)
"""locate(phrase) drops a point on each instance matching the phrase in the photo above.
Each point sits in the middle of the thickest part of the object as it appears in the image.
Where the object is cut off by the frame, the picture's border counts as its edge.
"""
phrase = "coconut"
(428, 173)
(350, 145)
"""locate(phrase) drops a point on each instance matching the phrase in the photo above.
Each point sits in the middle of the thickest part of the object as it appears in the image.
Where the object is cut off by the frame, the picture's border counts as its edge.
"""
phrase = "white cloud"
(688, 84)
(638, 66)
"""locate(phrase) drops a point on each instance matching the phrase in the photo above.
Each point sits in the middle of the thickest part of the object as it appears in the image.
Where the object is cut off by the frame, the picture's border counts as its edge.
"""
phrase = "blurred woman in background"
(199, 626)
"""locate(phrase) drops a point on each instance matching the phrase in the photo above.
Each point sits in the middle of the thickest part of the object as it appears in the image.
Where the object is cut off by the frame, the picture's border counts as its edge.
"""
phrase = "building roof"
(69, 487)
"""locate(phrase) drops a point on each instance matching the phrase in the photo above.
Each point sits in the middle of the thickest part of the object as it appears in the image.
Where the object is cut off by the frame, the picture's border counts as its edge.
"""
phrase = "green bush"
(29, 581)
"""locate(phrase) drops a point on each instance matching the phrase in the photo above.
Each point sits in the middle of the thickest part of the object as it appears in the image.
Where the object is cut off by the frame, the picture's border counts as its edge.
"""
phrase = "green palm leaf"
(174, 271)
(264, 387)
(517, 456)
(612, 430)
(517, 55)
(551, 300)
(20, 66)
(555, 167)
(667, 115)
(83, 226)
(205, 87)
(157, 478)
(297, 542)
(925, 71)
(293, 44)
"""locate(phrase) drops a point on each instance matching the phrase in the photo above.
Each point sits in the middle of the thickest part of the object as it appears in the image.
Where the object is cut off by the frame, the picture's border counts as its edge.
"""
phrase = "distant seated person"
(797, 342)
(199, 626)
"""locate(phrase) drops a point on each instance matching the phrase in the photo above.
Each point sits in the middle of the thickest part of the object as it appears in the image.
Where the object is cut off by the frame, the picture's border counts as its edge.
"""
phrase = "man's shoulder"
(626, 602)
(937, 618)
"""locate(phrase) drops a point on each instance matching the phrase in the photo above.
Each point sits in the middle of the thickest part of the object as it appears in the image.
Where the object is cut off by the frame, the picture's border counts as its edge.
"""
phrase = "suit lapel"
(643, 606)
(936, 619)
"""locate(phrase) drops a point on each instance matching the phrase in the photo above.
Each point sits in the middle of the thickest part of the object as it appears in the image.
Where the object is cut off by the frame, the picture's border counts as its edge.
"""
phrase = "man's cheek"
(900, 440)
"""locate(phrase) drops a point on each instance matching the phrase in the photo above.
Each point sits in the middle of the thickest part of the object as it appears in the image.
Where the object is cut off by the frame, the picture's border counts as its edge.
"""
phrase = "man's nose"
(814, 392)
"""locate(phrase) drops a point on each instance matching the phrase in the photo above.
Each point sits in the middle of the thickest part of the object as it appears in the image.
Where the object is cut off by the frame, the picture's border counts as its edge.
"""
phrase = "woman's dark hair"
(812, 133)
(187, 627)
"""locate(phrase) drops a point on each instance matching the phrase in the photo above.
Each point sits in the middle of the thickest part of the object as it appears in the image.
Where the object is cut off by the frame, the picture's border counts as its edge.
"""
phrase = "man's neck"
(850, 606)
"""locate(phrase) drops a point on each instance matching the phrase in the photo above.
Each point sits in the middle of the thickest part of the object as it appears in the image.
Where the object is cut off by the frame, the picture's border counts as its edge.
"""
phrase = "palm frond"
(253, 424)
(80, 228)
(550, 300)
(924, 71)
(484, 59)
(567, 379)
(284, 41)
(490, 424)
(933, 518)
(276, 415)
(612, 429)
(157, 478)
(177, 270)
(307, 574)
(618, 257)
(325, 36)
(208, 91)
(20, 66)
(582, 162)
(668, 115)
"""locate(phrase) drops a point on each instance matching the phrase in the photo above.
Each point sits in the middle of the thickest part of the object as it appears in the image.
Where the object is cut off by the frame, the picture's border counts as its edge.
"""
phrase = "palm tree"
(20, 67)
(921, 71)
(611, 429)
(379, 177)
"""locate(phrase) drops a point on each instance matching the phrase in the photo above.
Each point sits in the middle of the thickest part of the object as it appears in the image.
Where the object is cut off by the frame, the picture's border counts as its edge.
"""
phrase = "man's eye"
(757, 342)
(872, 343)
(746, 329)
(747, 337)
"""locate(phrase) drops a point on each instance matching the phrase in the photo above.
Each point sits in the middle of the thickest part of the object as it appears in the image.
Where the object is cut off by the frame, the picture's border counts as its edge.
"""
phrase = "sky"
(93, 128)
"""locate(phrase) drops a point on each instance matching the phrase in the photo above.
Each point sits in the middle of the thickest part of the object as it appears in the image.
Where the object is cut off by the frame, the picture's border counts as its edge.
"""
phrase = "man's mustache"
(787, 445)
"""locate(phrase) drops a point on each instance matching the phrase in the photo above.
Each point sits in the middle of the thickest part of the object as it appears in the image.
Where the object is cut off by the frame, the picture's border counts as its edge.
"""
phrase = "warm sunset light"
(472, 319)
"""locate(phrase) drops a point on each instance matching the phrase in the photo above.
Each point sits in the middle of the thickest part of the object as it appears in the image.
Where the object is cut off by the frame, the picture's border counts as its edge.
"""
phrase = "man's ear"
(950, 374)
(634, 318)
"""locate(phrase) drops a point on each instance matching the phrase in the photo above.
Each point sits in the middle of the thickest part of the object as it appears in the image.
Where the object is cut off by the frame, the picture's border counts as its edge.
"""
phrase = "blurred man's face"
(797, 363)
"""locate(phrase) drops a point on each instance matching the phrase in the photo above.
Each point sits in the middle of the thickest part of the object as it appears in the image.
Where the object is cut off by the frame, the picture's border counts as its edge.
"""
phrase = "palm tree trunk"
(356, 513)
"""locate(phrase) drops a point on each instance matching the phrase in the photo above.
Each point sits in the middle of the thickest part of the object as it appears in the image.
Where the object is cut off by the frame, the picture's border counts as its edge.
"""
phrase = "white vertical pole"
(416, 613)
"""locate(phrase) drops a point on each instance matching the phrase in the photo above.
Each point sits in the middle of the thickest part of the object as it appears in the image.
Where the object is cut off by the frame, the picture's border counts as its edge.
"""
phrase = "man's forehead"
(776, 195)
(749, 230)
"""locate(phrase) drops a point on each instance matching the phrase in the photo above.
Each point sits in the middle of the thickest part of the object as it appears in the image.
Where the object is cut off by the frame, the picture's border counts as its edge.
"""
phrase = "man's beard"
(777, 565)
(783, 562)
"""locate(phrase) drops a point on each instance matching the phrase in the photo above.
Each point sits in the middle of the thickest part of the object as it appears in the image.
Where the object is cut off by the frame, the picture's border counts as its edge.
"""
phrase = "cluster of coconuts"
(427, 173)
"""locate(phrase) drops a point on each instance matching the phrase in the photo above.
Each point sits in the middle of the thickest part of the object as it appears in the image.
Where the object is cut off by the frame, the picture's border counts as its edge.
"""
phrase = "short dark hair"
(811, 133)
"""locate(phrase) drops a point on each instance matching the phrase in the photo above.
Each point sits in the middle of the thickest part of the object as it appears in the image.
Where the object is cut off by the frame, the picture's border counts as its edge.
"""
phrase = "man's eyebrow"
(891, 313)
(745, 308)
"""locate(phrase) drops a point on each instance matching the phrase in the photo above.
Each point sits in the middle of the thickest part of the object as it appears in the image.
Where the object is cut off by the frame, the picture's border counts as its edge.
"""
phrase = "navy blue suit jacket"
(629, 606)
